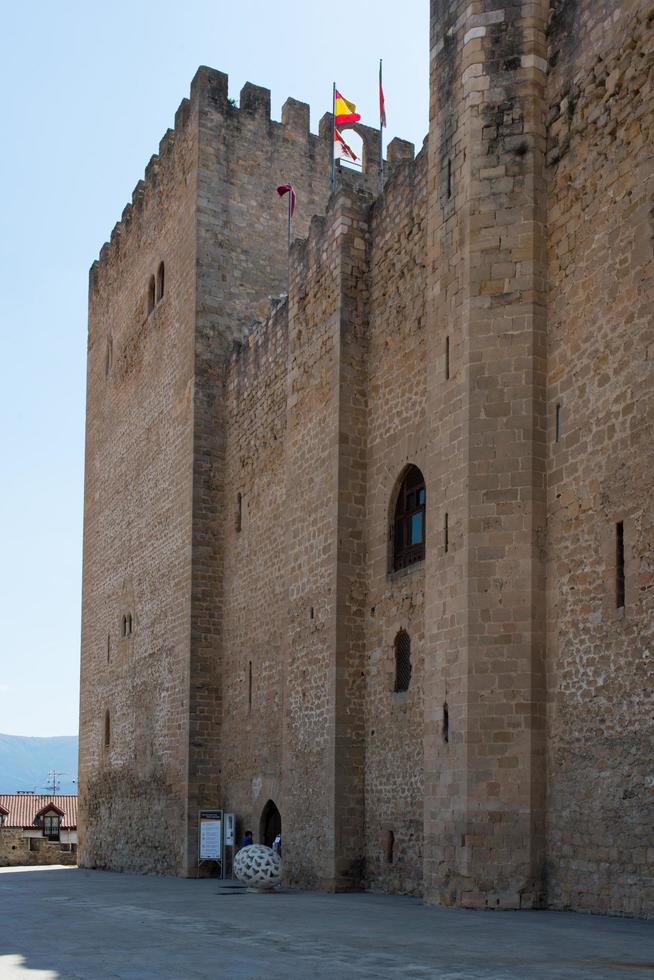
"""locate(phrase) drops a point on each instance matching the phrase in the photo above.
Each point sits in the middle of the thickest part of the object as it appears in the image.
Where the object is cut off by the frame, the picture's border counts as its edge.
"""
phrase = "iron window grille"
(402, 661)
(409, 522)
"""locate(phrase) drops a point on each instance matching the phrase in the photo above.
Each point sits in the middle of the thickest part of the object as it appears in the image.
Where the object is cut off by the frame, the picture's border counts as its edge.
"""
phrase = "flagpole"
(381, 132)
(333, 139)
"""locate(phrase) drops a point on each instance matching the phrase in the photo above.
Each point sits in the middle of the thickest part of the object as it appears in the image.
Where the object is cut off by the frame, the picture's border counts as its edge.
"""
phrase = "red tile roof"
(23, 808)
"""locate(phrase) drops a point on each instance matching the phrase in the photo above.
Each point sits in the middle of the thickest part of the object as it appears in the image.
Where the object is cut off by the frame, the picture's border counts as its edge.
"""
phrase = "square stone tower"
(200, 246)
(484, 795)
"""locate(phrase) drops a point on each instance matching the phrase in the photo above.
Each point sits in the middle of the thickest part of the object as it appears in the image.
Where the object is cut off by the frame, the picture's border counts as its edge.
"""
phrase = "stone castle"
(373, 559)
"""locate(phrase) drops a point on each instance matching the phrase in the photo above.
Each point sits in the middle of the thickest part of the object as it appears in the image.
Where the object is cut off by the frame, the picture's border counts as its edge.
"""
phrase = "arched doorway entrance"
(270, 824)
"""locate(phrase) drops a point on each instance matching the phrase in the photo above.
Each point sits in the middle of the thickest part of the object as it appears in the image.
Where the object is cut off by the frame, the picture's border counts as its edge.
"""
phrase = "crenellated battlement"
(158, 169)
(209, 117)
(400, 163)
(267, 332)
(209, 89)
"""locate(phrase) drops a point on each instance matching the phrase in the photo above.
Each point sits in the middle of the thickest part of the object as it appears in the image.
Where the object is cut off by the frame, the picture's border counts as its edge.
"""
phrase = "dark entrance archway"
(270, 824)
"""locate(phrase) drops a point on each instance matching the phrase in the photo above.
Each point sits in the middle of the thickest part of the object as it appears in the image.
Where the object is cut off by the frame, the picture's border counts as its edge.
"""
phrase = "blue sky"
(88, 91)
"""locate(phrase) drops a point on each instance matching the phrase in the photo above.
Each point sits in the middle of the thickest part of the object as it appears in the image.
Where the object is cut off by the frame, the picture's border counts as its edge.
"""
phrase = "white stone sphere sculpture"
(258, 867)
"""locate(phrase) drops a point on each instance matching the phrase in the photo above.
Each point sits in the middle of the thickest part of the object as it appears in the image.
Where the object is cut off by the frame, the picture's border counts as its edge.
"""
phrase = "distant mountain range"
(25, 763)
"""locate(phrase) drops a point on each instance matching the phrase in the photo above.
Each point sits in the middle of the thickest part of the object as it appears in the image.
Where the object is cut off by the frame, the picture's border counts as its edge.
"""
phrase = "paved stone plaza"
(62, 923)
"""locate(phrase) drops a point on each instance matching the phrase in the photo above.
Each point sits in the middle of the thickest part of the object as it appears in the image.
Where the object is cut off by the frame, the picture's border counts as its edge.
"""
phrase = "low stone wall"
(17, 849)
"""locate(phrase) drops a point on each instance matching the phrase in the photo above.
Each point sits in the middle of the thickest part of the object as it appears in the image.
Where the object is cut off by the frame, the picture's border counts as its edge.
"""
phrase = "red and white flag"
(341, 149)
(288, 189)
(382, 103)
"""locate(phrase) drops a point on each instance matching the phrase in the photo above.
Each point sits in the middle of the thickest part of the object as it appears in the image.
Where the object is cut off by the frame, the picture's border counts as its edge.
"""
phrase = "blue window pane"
(416, 528)
(421, 496)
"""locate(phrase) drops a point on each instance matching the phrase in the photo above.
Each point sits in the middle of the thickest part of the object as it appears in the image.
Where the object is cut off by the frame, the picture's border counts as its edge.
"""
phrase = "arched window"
(107, 729)
(151, 295)
(402, 661)
(363, 142)
(160, 282)
(409, 522)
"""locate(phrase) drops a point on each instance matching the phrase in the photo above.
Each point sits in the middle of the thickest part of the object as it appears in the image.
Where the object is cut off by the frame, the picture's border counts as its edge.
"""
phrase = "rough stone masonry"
(247, 630)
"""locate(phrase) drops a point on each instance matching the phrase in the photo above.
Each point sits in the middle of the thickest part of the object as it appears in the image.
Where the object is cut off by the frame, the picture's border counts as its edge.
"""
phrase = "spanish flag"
(345, 112)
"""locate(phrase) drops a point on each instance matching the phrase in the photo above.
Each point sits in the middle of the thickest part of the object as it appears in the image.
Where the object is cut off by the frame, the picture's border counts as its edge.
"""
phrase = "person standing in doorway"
(247, 839)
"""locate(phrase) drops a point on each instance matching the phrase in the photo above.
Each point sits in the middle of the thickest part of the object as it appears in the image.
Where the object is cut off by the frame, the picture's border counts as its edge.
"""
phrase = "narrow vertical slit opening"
(390, 845)
(619, 565)
(447, 358)
(239, 512)
(446, 533)
(446, 724)
(449, 178)
(250, 686)
(558, 423)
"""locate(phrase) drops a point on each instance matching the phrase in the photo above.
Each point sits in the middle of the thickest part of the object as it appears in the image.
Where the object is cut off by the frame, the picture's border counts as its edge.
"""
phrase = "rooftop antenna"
(54, 782)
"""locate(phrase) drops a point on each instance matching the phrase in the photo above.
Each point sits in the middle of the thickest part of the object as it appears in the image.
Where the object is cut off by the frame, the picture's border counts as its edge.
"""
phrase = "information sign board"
(211, 835)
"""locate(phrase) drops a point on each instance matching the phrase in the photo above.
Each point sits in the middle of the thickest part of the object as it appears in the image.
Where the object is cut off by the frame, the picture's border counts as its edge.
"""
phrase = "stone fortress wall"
(600, 372)
(243, 459)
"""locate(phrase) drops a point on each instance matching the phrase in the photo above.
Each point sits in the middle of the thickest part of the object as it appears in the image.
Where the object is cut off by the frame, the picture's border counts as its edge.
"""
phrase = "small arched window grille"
(151, 294)
(409, 521)
(107, 729)
(160, 282)
(402, 661)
